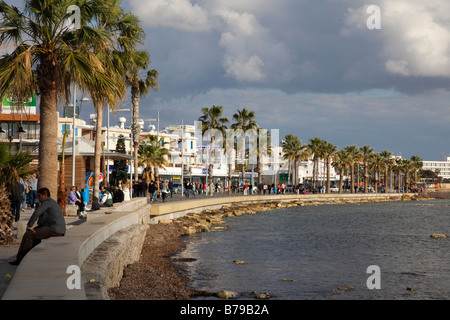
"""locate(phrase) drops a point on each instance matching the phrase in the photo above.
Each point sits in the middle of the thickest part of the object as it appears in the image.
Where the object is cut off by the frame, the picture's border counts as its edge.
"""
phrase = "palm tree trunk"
(366, 176)
(386, 179)
(341, 180)
(48, 143)
(97, 153)
(328, 175)
(353, 177)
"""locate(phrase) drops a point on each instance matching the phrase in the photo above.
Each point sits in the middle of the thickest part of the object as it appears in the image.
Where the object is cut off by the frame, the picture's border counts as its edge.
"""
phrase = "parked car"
(334, 189)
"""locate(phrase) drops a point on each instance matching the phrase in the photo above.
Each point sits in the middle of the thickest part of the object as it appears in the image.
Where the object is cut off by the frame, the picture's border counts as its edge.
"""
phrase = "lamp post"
(74, 128)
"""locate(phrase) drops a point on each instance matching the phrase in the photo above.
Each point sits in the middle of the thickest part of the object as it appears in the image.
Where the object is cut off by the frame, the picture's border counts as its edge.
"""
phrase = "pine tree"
(120, 166)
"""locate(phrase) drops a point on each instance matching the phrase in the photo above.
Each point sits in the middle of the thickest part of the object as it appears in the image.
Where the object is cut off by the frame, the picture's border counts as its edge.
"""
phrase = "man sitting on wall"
(118, 195)
(106, 200)
(50, 223)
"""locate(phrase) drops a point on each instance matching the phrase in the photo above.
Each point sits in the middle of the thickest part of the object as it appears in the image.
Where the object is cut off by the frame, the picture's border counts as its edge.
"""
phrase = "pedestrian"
(50, 223)
(24, 194)
(170, 185)
(16, 198)
(152, 190)
(164, 190)
(193, 190)
(33, 190)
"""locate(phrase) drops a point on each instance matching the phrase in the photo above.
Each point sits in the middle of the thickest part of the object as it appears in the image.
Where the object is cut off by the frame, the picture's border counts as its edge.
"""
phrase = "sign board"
(10, 104)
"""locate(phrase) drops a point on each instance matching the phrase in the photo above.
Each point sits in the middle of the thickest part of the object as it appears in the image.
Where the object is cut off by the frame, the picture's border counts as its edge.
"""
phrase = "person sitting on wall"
(106, 200)
(118, 195)
(50, 223)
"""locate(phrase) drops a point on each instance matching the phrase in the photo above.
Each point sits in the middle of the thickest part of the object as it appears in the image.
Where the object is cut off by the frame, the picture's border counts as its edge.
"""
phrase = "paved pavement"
(8, 253)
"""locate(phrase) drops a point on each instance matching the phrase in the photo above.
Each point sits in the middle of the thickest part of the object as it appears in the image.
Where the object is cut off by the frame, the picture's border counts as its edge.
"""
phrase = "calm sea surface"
(327, 247)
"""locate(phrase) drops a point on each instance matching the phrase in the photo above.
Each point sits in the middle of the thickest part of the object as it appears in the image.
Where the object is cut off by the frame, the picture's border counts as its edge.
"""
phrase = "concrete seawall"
(43, 273)
(173, 210)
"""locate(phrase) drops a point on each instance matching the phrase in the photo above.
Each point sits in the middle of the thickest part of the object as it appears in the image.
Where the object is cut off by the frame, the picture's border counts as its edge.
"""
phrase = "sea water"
(325, 251)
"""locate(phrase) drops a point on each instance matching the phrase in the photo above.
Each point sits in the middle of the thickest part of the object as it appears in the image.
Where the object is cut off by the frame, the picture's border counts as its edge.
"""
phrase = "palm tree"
(125, 33)
(13, 166)
(354, 156)
(289, 152)
(212, 120)
(366, 154)
(416, 164)
(342, 162)
(387, 164)
(295, 151)
(46, 57)
(152, 155)
(329, 151)
(135, 61)
(244, 120)
(315, 147)
(376, 164)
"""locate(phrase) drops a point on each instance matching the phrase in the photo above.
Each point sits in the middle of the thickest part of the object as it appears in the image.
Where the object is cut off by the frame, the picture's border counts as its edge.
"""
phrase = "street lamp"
(73, 128)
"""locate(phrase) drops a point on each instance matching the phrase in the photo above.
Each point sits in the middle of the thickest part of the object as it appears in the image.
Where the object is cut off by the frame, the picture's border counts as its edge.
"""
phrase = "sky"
(312, 68)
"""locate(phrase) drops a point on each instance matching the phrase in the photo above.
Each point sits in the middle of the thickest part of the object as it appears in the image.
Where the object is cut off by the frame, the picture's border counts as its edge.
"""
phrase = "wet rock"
(227, 294)
(438, 235)
(344, 288)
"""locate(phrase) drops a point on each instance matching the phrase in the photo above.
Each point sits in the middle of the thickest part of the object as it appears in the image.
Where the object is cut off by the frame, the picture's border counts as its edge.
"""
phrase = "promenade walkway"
(43, 272)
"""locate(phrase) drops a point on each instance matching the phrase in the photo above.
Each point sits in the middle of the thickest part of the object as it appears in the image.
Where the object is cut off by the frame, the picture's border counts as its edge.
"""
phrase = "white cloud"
(249, 51)
(415, 36)
(178, 14)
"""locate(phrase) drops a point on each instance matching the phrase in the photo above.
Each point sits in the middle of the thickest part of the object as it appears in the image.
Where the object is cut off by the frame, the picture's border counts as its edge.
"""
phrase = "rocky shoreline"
(156, 277)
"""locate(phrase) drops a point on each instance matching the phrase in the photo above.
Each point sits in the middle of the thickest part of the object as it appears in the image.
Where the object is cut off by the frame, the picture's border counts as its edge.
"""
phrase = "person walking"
(170, 185)
(16, 198)
(164, 190)
(33, 190)
(152, 190)
(50, 223)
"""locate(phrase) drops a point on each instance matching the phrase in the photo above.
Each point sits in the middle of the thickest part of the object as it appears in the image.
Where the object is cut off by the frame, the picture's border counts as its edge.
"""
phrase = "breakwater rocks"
(211, 219)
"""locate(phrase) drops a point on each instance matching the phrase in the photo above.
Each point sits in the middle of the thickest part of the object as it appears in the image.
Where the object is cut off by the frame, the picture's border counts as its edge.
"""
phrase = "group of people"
(23, 195)
(75, 198)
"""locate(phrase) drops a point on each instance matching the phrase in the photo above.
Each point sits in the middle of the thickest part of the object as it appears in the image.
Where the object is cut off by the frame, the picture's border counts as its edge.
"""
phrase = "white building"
(442, 168)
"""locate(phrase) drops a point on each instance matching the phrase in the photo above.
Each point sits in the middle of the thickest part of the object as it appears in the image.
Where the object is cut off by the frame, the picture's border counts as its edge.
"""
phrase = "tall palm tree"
(152, 155)
(342, 162)
(366, 154)
(212, 119)
(315, 147)
(289, 153)
(354, 156)
(376, 164)
(45, 58)
(416, 164)
(388, 162)
(135, 62)
(329, 151)
(125, 33)
(244, 120)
